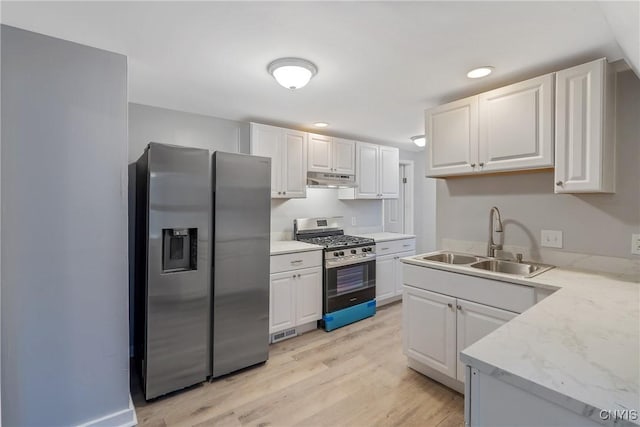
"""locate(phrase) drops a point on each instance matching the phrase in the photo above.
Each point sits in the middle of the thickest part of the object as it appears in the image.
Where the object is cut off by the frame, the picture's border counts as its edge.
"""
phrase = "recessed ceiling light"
(419, 140)
(292, 73)
(321, 124)
(476, 73)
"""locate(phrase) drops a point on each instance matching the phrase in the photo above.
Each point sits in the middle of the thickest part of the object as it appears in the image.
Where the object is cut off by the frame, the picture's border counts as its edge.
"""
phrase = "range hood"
(330, 180)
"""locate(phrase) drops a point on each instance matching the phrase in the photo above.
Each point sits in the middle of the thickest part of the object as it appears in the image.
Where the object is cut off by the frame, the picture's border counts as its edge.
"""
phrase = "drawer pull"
(384, 249)
(297, 261)
(405, 246)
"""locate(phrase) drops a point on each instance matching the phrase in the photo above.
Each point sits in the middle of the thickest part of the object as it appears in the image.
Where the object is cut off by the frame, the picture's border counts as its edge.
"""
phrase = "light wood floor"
(353, 376)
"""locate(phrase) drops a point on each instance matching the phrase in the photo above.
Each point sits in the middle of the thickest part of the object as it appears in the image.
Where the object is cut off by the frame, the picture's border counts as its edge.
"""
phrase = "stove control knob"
(364, 249)
(353, 251)
(369, 249)
(341, 253)
(336, 254)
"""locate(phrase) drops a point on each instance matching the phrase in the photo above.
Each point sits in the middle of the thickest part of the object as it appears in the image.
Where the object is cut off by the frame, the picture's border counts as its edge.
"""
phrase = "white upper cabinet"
(377, 173)
(295, 170)
(288, 152)
(320, 153)
(389, 172)
(367, 171)
(510, 128)
(516, 126)
(331, 155)
(452, 138)
(344, 156)
(585, 143)
(266, 142)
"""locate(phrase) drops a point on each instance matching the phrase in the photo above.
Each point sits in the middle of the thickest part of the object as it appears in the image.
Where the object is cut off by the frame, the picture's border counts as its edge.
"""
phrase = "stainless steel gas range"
(349, 280)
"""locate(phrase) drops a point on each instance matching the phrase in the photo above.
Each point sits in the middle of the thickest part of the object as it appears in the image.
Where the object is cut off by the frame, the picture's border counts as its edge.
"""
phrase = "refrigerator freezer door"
(177, 302)
(241, 218)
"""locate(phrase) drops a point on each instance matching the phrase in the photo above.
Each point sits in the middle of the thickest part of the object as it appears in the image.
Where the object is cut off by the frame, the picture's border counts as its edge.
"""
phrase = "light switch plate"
(635, 244)
(551, 238)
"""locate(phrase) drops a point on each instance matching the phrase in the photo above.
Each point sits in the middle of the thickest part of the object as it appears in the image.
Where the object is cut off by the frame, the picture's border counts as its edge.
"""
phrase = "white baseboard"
(125, 418)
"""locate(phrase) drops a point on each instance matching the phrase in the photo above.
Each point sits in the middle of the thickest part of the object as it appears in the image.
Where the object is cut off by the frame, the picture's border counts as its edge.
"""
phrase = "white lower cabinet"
(474, 321)
(295, 295)
(438, 323)
(385, 277)
(429, 325)
(389, 269)
(282, 313)
(295, 298)
(308, 292)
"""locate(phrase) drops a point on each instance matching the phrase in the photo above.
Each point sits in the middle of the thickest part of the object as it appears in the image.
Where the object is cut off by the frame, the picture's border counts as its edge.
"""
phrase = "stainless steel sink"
(452, 258)
(508, 267)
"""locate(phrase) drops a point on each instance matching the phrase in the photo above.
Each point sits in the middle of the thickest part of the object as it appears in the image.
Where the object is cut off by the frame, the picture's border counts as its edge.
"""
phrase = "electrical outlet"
(551, 238)
(635, 244)
(353, 220)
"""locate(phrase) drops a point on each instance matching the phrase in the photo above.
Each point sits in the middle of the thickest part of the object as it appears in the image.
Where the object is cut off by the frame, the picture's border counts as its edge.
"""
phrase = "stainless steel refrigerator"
(240, 269)
(173, 287)
(200, 313)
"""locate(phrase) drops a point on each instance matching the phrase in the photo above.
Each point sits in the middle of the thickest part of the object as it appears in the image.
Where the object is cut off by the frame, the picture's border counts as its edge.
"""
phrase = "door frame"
(409, 205)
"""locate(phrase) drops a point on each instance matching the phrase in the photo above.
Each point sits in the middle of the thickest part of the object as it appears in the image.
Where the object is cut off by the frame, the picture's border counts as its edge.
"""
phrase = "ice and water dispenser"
(179, 249)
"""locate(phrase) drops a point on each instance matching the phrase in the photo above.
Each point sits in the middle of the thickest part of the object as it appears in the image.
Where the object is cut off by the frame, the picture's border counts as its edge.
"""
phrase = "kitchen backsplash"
(324, 202)
(559, 258)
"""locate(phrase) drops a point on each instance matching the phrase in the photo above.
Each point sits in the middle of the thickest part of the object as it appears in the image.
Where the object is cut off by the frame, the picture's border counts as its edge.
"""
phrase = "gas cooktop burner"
(338, 241)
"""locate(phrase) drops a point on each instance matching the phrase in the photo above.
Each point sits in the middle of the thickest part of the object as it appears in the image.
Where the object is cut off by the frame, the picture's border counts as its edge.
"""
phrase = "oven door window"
(350, 278)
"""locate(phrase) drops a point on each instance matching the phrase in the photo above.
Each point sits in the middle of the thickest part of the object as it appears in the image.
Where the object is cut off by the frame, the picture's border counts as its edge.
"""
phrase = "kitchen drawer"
(395, 246)
(296, 261)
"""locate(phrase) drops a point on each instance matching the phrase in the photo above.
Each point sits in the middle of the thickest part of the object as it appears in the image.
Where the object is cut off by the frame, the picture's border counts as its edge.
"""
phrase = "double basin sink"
(523, 269)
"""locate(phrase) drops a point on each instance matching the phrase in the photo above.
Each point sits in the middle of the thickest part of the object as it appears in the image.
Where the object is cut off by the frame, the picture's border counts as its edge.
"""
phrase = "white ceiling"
(380, 63)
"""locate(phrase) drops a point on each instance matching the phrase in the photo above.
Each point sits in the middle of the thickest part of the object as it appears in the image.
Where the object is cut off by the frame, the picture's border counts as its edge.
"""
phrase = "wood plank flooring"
(353, 376)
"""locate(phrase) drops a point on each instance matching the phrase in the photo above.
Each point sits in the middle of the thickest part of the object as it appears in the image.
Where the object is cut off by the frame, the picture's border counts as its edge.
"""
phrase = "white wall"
(324, 202)
(64, 243)
(595, 224)
(424, 190)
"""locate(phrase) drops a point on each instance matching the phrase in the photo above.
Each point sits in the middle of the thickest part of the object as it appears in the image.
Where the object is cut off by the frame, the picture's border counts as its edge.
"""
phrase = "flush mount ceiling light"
(419, 140)
(292, 73)
(476, 73)
(321, 124)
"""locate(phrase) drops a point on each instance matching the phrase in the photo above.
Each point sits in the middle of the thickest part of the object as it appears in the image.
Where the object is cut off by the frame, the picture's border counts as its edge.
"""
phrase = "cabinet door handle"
(299, 275)
(473, 165)
(459, 307)
(279, 192)
(450, 305)
(284, 192)
(481, 164)
(559, 183)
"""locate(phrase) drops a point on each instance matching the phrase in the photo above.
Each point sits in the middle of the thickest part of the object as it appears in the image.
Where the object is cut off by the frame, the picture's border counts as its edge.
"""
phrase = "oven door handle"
(349, 261)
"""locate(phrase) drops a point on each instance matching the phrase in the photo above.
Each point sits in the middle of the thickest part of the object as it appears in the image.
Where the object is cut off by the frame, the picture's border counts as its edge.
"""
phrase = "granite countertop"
(579, 347)
(292, 246)
(386, 236)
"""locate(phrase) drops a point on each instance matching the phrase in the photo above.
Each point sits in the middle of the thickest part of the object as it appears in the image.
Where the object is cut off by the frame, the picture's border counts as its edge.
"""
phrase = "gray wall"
(154, 124)
(598, 224)
(64, 242)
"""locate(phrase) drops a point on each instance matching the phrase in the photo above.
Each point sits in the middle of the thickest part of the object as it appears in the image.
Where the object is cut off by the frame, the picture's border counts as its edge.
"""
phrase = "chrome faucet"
(493, 246)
